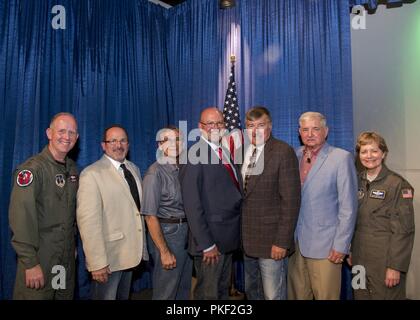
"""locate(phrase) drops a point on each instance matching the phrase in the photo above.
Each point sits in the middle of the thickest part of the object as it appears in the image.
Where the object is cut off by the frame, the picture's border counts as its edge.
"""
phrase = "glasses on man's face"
(219, 124)
(170, 140)
(114, 142)
(72, 134)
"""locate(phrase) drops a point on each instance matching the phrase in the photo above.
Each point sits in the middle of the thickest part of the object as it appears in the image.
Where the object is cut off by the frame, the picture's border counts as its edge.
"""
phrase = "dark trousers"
(21, 292)
(213, 280)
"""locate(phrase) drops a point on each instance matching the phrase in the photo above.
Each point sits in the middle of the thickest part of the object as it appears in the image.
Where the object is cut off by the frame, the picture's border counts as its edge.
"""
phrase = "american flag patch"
(407, 193)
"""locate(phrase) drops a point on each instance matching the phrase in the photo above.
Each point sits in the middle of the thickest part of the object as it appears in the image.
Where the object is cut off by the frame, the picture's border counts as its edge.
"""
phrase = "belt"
(173, 220)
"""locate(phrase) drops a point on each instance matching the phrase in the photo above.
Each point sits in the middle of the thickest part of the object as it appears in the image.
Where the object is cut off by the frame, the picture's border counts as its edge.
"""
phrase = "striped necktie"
(251, 165)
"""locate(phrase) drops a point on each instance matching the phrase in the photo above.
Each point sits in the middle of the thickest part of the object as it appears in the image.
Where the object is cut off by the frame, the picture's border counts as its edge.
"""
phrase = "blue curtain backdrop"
(134, 63)
(107, 66)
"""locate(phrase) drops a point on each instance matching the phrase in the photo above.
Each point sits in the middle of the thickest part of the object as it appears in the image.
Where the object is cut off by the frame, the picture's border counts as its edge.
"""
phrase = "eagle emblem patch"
(24, 178)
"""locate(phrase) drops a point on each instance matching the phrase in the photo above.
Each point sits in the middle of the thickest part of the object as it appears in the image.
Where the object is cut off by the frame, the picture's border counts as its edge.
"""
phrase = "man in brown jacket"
(270, 208)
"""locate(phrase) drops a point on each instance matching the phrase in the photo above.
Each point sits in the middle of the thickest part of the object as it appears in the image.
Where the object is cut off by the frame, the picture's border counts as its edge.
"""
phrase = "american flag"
(407, 194)
(231, 113)
(231, 108)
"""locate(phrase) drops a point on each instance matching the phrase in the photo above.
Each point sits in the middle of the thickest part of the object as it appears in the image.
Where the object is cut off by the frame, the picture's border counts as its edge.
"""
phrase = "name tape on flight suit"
(377, 194)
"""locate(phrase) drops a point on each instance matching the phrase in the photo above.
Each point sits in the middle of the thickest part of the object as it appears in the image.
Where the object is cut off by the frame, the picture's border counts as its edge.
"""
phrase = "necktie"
(132, 184)
(229, 168)
(251, 165)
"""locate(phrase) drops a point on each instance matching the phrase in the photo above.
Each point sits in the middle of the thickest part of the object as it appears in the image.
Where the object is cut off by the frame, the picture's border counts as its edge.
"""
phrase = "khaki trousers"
(310, 279)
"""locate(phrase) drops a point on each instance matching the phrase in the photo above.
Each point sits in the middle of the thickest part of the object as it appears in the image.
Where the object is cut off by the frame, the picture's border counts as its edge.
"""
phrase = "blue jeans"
(116, 288)
(265, 278)
(174, 284)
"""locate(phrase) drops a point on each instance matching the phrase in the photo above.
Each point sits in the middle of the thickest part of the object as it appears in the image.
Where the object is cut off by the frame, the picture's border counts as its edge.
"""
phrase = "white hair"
(311, 115)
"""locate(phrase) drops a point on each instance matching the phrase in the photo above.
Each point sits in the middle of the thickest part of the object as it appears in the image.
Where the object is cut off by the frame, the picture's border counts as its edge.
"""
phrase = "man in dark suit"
(211, 189)
(270, 209)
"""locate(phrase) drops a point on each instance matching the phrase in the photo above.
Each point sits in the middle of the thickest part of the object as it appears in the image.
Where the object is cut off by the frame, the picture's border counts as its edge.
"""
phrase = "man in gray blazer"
(327, 215)
(212, 192)
(109, 220)
(270, 208)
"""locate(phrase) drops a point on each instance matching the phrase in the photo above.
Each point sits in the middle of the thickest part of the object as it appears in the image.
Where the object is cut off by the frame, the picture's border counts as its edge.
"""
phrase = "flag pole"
(233, 291)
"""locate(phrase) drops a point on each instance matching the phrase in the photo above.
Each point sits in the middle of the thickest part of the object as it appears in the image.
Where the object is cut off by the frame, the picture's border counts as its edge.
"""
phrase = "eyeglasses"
(114, 142)
(213, 124)
(177, 139)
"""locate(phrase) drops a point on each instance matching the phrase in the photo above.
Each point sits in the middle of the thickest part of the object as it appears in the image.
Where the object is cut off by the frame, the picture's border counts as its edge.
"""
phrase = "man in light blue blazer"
(327, 215)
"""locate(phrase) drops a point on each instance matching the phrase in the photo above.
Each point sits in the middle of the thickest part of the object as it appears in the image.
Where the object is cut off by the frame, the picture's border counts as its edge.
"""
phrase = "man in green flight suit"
(42, 216)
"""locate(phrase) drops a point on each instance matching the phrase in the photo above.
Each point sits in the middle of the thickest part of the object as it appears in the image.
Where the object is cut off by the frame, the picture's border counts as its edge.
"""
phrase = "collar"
(259, 147)
(169, 167)
(314, 152)
(46, 153)
(116, 164)
(215, 147)
(381, 175)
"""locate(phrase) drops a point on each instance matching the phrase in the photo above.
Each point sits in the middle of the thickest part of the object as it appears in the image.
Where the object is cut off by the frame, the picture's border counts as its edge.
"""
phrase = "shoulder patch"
(24, 178)
(407, 193)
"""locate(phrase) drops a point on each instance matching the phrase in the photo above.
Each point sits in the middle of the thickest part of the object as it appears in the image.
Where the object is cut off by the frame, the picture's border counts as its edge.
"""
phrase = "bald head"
(66, 116)
(211, 124)
(210, 112)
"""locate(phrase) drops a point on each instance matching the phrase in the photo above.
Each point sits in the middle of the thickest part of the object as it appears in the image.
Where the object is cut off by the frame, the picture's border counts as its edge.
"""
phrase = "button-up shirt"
(117, 166)
(162, 192)
(247, 157)
(226, 158)
(308, 159)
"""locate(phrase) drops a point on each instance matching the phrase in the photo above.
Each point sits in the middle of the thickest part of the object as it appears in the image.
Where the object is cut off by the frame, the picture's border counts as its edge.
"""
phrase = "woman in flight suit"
(384, 235)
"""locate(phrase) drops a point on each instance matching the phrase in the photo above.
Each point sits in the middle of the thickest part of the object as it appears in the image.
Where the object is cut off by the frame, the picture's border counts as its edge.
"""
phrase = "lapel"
(299, 153)
(133, 170)
(120, 180)
(237, 168)
(212, 154)
(262, 162)
(322, 156)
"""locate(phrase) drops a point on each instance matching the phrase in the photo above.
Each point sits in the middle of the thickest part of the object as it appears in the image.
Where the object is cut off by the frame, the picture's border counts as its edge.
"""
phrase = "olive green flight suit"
(42, 215)
(384, 233)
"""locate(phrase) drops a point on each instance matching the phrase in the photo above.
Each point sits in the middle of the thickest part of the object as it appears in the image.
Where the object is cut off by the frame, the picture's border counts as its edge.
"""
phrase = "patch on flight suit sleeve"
(407, 193)
(24, 178)
(377, 194)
